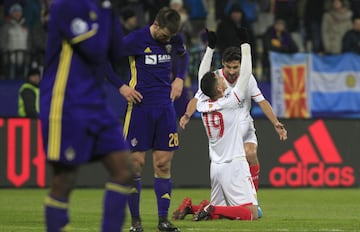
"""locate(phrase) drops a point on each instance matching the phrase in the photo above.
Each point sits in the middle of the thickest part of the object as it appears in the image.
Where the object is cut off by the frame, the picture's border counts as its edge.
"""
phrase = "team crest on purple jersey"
(70, 153)
(168, 48)
(134, 142)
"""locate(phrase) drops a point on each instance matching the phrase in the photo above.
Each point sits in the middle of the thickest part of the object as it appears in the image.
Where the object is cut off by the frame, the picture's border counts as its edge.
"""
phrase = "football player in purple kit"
(152, 123)
(77, 124)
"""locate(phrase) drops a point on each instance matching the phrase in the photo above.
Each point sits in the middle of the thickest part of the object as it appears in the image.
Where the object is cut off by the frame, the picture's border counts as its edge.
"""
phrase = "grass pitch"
(284, 210)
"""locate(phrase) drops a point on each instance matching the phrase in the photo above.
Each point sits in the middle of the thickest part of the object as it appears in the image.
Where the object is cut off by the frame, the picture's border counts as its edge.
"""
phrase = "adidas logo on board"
(314, 161)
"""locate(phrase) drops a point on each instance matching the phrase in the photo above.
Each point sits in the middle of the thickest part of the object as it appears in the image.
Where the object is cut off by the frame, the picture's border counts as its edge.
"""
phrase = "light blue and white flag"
(335, 83)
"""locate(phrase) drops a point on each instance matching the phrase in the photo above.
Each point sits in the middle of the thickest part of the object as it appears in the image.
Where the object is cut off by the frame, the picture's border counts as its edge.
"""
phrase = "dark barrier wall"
(318, 153)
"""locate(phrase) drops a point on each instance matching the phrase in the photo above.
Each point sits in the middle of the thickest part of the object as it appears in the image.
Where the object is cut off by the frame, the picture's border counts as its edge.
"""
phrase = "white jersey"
(223, 127)
(253, 92)
(222, 118)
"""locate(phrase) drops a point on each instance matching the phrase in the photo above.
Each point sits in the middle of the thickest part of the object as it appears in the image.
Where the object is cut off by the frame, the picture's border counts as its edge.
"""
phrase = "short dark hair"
(231, 54)
(168, 18)
(208, 84)
(236, 8)
(33, 71)
(355, 17)
(127, 13)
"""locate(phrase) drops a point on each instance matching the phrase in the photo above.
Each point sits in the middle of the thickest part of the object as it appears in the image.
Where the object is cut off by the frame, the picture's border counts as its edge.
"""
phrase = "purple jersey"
(151, 65)
(83, 38)
(152, 123)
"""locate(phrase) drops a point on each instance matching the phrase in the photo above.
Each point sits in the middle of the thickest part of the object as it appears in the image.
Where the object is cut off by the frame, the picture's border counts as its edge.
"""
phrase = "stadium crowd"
(289, 26)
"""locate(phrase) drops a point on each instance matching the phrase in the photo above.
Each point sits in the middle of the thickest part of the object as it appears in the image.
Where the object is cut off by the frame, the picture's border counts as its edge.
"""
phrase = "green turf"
(284, 210)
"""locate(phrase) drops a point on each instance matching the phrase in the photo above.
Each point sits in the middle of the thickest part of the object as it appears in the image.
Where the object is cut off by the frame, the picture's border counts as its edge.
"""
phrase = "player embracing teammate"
(228, 78)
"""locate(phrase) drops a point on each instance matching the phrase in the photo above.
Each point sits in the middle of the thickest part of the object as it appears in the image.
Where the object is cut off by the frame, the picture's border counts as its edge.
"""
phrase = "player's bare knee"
(138, 165)
(162, 168)
(63, 180)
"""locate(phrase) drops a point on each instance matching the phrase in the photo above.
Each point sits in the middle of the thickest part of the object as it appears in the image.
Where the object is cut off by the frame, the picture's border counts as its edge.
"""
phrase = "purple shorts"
(148, 128)
(81, 138)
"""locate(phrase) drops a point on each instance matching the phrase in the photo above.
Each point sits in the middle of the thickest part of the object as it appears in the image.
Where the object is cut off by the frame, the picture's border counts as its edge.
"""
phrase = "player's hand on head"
(243, 35)
(211, 38)
(130, 94)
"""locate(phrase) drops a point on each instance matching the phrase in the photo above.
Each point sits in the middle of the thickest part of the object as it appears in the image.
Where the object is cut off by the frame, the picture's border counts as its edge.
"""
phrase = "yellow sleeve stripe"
(56, 107)
(84, 36)
(133, 71)
(127, 119)
(118, 188)
(132, 84)
(55, 203)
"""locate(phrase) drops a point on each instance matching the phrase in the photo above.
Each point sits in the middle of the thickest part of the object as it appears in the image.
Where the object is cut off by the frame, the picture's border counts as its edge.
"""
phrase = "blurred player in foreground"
(77, 124)
(152, 124)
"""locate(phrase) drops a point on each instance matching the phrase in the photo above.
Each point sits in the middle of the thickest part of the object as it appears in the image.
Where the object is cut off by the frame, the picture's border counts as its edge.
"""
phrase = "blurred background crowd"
(287, 26)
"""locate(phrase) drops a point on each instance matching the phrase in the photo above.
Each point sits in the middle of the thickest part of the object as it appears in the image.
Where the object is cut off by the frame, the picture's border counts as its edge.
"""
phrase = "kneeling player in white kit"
(233, 194)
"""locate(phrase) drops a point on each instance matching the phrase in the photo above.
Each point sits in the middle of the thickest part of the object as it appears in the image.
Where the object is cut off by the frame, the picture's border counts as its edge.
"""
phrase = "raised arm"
(205, 63)
(245, 69)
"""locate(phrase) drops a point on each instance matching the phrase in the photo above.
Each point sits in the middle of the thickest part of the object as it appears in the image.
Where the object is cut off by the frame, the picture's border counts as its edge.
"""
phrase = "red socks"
(254, 171)
(230, 212)
(233, 212)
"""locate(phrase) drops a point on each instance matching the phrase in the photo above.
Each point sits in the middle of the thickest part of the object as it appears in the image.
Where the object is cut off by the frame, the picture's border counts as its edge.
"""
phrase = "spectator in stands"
(28, 100)
(129, 21)
(185, 26)
(314, 11)
(2, 15)
(39, 39)
(32, 13)
(197, 15)
(138, 6)
(220, 10)
(355, 6)
(186, 32)
(286, 10)
(276, 39)
(227, 30)
(249, 7)
(8, 3)
(351, 40)
(15, 41)
(335, 23)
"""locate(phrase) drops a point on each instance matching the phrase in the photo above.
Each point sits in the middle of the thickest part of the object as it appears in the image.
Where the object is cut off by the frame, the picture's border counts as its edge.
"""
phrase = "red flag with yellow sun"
(295, 94)
(290, 96)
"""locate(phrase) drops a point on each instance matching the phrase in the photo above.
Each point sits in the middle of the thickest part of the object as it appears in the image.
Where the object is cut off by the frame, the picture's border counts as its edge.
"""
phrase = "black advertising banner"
(318, 153)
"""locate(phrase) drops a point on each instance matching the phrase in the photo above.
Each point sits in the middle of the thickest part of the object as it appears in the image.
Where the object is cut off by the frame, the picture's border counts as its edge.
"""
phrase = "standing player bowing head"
(152, 124)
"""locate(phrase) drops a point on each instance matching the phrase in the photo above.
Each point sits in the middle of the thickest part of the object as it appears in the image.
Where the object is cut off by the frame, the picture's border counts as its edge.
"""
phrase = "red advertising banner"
(21, 144)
